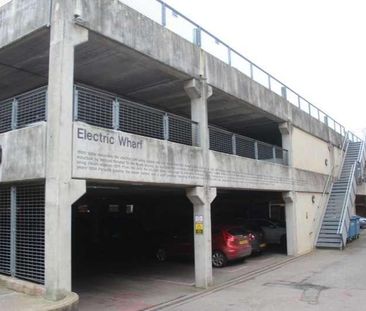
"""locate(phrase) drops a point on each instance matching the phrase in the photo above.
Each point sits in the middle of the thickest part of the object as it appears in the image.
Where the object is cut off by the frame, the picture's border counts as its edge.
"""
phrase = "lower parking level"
(120, 230)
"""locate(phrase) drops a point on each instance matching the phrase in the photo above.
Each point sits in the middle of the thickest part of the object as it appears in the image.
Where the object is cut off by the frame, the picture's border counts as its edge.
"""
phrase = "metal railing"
(175, 21)
(22, 231)
(23, 110)
(231, 143)
(110, 111)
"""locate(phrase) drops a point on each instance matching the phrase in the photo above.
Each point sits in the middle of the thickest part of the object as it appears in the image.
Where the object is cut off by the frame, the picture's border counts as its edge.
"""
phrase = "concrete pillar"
(61, 190)
(291, 222)
(199, 92)
(286, 132)
(201, 198)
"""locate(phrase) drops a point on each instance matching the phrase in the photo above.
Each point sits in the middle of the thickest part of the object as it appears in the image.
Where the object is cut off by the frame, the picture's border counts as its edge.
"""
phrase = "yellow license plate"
(263, 245)
(243, 242)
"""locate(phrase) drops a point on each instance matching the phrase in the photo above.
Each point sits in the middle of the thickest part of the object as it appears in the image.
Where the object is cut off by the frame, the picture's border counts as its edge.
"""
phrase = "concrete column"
(201, 198)
(286, 132)
(61, 190)
(199, 92)
(291, 222)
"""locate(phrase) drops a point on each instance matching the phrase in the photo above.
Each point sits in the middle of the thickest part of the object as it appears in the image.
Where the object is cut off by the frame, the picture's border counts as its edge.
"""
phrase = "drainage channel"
(205, 292)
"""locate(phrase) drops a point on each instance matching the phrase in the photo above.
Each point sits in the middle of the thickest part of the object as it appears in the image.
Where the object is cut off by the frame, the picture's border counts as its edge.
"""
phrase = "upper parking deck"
(125, 48)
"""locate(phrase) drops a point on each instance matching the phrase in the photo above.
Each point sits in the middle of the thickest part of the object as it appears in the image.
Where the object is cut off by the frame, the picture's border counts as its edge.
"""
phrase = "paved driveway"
(323, 280)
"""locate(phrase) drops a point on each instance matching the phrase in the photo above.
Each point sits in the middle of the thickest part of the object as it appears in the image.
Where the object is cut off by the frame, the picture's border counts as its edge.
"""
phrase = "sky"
(316, 47)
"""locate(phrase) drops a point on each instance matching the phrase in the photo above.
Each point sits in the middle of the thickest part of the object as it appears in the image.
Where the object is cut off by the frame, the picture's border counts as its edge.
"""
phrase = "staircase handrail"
(328, 187)
(346, 197)
(361, 158)
(345, 146)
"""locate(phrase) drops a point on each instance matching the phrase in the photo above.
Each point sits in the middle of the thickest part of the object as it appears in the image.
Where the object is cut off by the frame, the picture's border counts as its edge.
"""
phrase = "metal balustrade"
(175, 21)
(23, 110)
(5, 240)
(108, 110)
(227, 142)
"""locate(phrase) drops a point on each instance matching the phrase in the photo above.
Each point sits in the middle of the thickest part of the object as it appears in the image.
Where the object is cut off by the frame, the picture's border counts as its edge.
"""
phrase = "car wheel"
(219, 259)
(161, 254)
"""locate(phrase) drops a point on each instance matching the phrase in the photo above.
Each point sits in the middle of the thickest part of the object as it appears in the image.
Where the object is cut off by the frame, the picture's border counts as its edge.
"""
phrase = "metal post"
(14, 114)
(115, 114)
(269, 82)
(163, 14)
(13, 230)
(309, 106)
(274, 153)
(299, 101)
(197, 37)
(251, 71)
(256, 150)
(166, 126)
(284, 92)
(233, 138)
(229, 56)
(76, 104)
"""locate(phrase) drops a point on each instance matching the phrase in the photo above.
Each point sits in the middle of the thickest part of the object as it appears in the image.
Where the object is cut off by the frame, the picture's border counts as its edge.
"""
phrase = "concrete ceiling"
(24, 64)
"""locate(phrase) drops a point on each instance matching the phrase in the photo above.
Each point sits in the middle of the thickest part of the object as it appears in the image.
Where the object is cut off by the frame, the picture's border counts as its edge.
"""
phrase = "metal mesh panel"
(181, 131)
(265, 151)
(5, 230)
(95, 108)
(221, 140)
(5, 115)
(245, 147)
(136, 119)
(30, 217)
(32, 107)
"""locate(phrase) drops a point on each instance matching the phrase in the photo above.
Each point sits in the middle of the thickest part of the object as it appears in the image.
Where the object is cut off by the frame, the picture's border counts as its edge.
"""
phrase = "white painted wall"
(308, 217)
(310, 153)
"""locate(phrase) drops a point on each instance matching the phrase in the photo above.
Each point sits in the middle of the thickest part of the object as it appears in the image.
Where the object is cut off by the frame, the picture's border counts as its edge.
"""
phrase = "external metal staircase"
(341, 202)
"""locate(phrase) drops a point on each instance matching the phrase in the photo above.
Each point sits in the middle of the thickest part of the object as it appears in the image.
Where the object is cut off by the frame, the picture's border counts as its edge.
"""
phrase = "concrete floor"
(139, 285)
(321, 281)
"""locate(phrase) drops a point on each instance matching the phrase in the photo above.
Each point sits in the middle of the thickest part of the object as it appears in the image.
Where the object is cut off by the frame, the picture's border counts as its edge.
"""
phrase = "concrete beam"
(201, 198)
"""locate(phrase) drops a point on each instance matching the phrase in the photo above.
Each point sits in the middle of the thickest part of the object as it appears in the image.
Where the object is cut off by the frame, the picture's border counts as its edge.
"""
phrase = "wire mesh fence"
(22, 231)
(5, 240)
(113, 112)
(30, 232)
(227, 142)
(23, 110)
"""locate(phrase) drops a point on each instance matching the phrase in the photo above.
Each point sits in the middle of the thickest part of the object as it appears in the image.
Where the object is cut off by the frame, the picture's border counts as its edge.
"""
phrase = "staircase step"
(330, 240)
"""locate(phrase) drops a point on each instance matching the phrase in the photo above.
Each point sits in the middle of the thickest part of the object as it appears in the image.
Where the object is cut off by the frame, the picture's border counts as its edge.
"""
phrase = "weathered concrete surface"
(361, 189)
(161, 162)
(61, 190)
(118, 22)
(23, 153)
(16, 301)
(325, 280)
(19, 18)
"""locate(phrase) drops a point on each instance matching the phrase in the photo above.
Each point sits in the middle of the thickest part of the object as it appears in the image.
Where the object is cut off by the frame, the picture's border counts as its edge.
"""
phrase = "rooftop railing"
(175, 21)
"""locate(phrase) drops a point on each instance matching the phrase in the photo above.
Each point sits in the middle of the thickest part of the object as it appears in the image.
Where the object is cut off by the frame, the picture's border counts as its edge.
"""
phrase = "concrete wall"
(19, 18)
(308, 216)
(310, 153)
(103, 154)
(23, 153)
(117, 21)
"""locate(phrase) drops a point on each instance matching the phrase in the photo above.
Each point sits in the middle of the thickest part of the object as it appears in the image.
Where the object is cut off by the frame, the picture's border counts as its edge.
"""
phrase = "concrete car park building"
(100, 100)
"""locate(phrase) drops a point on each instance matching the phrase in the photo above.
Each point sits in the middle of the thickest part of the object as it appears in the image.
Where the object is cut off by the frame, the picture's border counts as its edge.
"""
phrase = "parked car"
(274, 231)
(254, 232)
(362, 222)
(228, 243)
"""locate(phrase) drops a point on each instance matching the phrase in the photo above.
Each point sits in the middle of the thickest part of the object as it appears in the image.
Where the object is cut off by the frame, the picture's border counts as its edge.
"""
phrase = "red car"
(228, 243)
